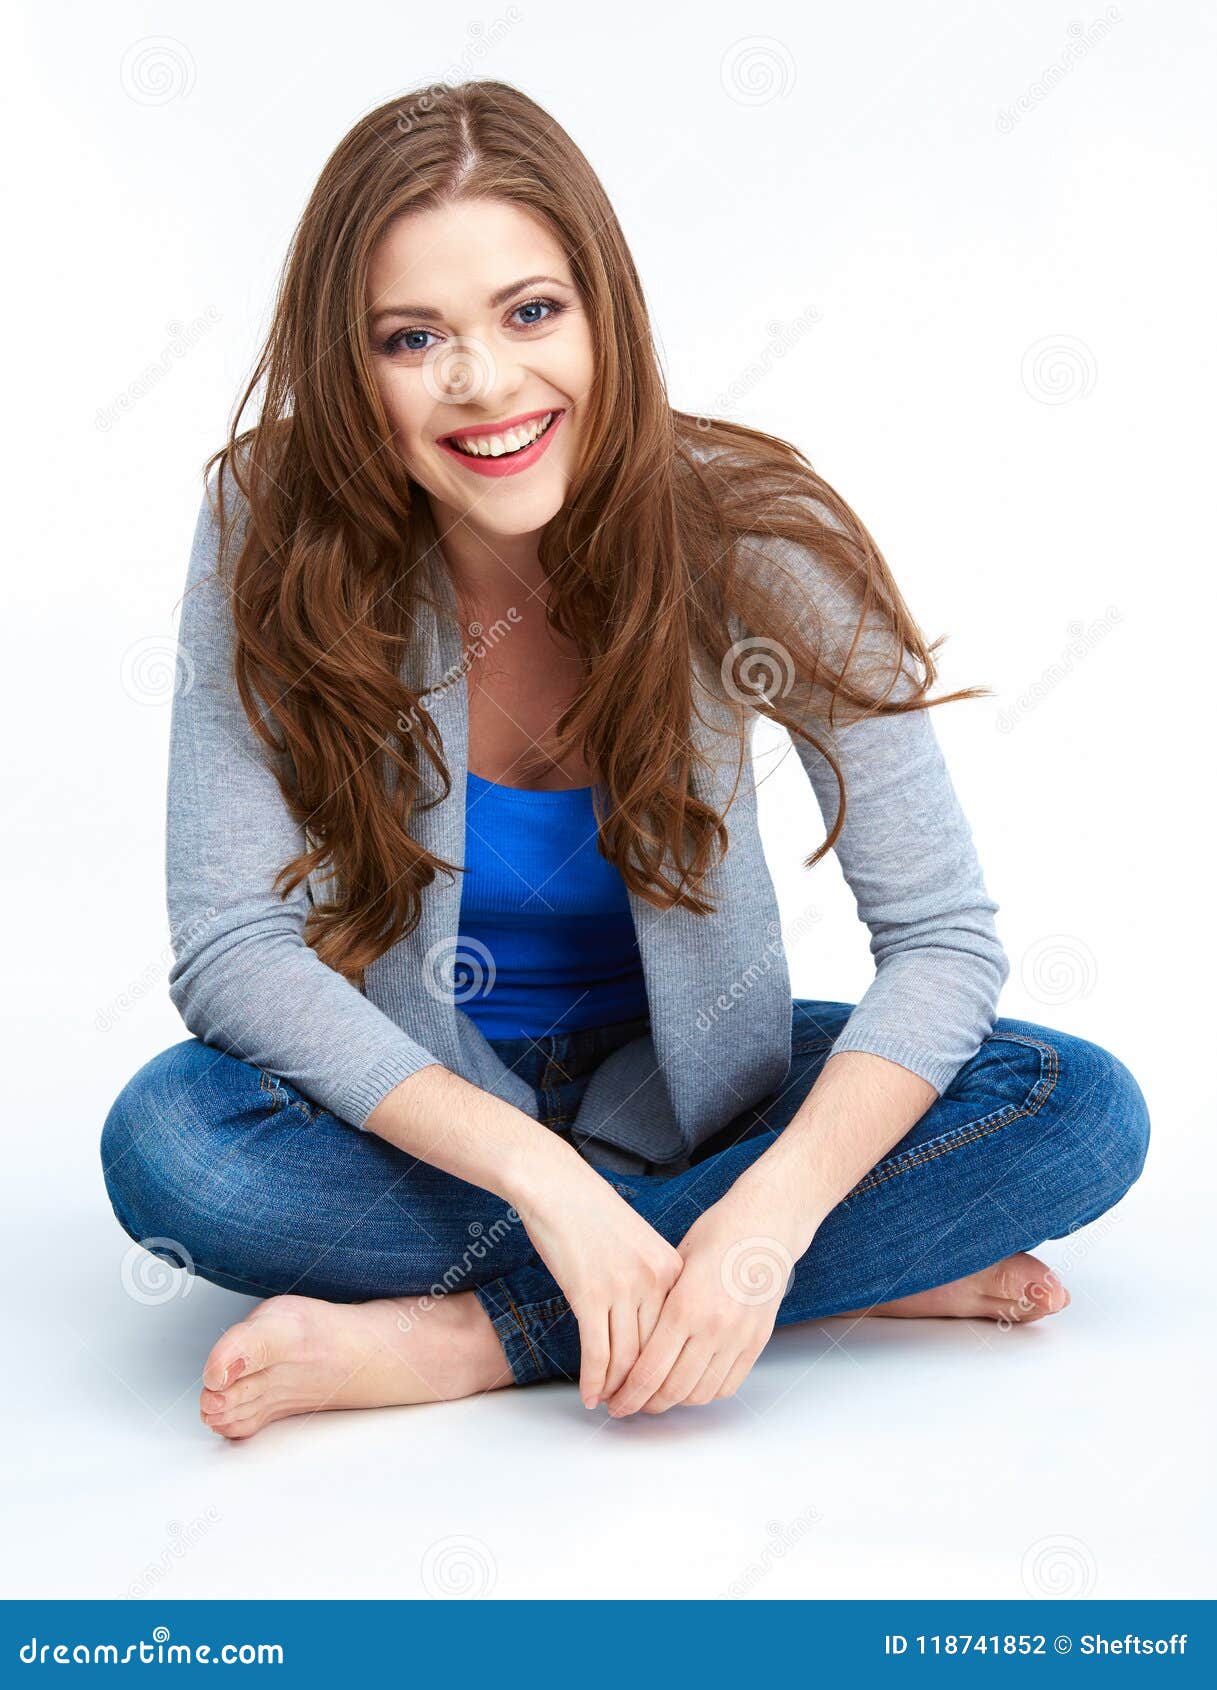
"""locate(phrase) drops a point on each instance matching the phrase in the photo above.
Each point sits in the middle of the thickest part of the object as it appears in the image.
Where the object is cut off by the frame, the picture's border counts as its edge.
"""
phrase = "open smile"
(503, 448)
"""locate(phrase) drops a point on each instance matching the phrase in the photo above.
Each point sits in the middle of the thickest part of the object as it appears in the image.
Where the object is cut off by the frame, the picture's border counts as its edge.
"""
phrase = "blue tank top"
(546, 941)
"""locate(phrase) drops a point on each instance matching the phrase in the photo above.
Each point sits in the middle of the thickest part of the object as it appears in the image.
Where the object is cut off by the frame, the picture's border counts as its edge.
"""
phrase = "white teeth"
(495, 445)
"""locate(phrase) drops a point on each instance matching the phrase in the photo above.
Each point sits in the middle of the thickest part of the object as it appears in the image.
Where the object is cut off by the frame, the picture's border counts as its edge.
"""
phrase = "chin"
(525, 516)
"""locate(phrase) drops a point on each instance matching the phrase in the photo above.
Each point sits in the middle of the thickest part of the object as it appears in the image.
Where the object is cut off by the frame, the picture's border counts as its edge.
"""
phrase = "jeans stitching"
(520, 1323)
(973, 1130)
(549, 1308)
(274, 1087)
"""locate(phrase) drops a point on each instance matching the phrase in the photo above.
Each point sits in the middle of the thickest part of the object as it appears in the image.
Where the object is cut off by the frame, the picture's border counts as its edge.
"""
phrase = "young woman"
(495, 1073)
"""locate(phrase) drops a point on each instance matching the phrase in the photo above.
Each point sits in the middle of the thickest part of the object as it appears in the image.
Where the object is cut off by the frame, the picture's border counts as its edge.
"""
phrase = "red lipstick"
(509, 463)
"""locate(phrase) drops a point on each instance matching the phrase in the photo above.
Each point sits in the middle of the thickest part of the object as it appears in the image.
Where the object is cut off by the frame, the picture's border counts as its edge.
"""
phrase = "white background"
(996, 224)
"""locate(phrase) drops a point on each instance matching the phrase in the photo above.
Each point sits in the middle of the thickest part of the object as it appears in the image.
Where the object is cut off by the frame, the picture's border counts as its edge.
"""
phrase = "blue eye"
(551, 305)
(407, 340)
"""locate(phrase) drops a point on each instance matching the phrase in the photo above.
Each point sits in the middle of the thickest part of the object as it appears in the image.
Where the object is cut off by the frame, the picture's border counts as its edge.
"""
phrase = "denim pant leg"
(1038, 1135)
(231, 1172)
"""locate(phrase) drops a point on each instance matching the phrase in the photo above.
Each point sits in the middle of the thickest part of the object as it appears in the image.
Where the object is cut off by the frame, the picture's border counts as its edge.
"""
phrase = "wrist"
(789, 1198)
(543, 1165)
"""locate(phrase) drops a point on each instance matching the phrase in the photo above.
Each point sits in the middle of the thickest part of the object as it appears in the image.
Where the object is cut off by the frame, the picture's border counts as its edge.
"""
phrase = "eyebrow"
(432, 315)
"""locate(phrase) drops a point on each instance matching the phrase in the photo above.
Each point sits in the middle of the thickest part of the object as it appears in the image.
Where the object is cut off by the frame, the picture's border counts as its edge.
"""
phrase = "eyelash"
(556, 308)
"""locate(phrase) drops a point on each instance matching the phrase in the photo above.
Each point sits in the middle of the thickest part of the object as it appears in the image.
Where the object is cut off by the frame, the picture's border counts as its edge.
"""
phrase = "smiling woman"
(476, 680)
(516, 362)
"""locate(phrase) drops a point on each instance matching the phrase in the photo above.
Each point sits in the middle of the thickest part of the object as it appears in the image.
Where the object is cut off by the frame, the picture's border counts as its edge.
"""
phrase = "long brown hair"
(684, 539)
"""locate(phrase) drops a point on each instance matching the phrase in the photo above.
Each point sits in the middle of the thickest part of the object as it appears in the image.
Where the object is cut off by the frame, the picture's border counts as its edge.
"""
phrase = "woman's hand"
(738, 1257)
(613, 1267)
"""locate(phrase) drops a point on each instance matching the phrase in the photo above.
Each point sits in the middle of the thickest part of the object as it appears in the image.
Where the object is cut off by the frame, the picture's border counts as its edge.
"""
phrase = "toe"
(231, 1425)
(240, 1352)
(1026, 1289)
(1046, 1292)
(245, 1391)
(232, 1431)
(1009, 1279)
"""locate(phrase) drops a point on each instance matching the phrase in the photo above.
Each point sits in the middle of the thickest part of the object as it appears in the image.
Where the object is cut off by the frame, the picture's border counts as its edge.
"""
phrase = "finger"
(742, 1368)
(649, 1311)
(718, 1370)
(625, 1348)
(593, 1354)
(651, 1368)
(687, 1369)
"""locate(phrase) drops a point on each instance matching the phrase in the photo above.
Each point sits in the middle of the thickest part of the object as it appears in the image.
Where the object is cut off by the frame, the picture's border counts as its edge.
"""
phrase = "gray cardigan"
(718, 986)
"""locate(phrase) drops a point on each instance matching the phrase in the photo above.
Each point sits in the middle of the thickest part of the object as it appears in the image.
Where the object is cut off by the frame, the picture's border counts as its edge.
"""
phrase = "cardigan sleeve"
(243, 979)
(907, 853)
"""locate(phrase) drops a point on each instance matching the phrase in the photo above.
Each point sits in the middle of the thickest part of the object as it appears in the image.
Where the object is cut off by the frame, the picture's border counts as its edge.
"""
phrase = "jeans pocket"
(1010, 1077)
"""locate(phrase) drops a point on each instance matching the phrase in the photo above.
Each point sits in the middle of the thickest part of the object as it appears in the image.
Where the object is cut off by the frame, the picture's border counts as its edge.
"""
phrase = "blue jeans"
(235, 1174)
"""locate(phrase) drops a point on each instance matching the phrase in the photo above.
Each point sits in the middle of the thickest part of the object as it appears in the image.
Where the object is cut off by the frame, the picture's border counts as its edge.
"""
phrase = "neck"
(489, 571)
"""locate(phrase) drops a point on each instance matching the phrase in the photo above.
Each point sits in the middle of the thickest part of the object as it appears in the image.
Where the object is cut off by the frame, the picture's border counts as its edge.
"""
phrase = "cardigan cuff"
(924, 1060)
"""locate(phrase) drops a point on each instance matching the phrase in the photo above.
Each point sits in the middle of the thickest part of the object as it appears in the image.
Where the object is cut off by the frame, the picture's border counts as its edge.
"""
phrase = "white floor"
(869, 1458)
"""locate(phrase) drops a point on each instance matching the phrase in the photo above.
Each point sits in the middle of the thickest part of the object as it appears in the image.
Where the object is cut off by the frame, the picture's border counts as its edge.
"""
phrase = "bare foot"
(299, 1355)
(1017, 1290)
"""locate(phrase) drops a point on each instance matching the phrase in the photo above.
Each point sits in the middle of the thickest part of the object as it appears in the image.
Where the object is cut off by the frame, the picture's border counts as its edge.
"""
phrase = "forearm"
(443, 1119)
(859, 1108)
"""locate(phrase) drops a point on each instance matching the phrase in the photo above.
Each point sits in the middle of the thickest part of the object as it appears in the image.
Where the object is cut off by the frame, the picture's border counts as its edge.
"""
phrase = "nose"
(469, 371)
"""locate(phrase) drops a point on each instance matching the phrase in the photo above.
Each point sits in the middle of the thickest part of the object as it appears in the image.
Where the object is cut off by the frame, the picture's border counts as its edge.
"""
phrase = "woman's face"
(475, 325)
